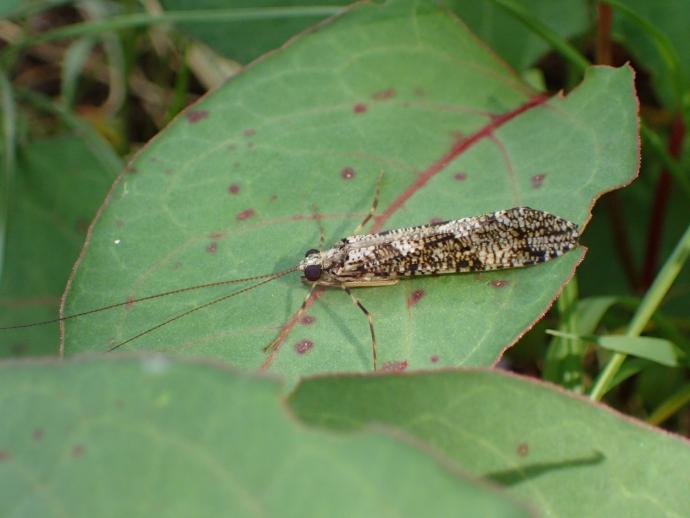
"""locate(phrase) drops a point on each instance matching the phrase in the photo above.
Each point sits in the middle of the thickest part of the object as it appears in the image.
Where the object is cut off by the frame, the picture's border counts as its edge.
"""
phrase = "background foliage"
(467, 107)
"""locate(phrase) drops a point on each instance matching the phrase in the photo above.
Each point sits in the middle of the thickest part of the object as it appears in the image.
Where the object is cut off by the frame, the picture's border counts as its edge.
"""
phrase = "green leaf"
(142, 436)
(58, 188)
(245, 40)
(647, 347)
(656, 34)
(228, 190)
(565, 455)
(517, 44)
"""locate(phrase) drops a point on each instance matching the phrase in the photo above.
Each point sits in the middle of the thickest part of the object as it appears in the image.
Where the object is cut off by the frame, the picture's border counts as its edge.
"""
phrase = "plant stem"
(649, 304)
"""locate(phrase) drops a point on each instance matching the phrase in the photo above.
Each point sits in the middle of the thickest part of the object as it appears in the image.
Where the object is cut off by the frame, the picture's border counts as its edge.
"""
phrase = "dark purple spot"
(384, 94)
(303, 346)
(436, 221)
(81, 226)
(419, 92)
(196, 115)
(347, 173)
(245, 214)
(414, 297)
(523, 449)
(499, 283)
(460, 177)
(307, 320)
(78, 450)
(399, 366)
(434, 359)
(19, 349)
(130, 302)
(4, 455)
(274, 197)
(37, 434)
(234, 188)
(537, 180)
(249, 132)
(359, 108)
(212, 248)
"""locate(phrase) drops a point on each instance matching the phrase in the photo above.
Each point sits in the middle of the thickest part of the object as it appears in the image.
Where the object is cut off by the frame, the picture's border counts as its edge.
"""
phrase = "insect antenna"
(202, 306)
(268, 277)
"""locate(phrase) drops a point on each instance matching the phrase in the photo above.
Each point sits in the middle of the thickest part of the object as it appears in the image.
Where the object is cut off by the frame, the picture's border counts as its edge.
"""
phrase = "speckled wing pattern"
(510, 238)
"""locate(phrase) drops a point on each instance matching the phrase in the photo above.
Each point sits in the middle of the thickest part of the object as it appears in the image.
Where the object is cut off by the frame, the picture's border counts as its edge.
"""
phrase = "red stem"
(659, 209)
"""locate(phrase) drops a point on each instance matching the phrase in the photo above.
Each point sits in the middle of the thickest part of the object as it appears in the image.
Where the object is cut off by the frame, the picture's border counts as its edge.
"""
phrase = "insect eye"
(311, 251)
(313, 272)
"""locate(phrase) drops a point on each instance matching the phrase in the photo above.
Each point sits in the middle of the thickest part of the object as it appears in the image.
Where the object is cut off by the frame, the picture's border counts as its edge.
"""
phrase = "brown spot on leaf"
(234, 188)
(303, 346)
(19, 349)
(249, 132)
(460, 177)
(78, 450)
(499, 283)
(434, 358)
(384, 94)
(250, 145)
(414, 297)
(194, 116)
(81, 226)
(216, 235)
(4, 455)
(537, 180)
(436, 220)
(37, 434)
(395, 366)
(419, 92)
(245, 214)
(212, 248)
(168, 170)
(274, 197)
(130, 302)
(347, 173)
(523, 449)
(307, 320)
(359, 108)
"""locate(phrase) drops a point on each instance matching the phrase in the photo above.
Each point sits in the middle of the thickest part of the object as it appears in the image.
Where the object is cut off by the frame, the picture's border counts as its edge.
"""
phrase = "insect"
(511, 238)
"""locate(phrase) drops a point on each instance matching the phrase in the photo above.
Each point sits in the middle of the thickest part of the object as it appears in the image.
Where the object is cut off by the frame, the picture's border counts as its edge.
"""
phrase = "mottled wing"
(510, 238)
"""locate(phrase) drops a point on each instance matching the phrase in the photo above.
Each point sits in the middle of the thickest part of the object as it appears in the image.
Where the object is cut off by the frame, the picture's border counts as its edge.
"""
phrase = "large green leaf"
(228, 191)
(565, 455)
(148, 436)
(59, 183)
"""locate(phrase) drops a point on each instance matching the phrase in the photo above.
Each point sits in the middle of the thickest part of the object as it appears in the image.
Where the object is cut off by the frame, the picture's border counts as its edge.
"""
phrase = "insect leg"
(317, 218)
(359, 304)
(375, 204)
(279, 339)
